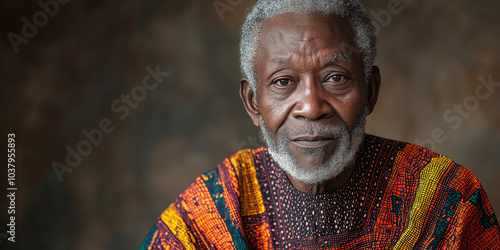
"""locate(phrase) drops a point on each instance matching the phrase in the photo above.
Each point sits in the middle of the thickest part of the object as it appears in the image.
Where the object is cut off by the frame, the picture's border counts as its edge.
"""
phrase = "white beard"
(344, 155)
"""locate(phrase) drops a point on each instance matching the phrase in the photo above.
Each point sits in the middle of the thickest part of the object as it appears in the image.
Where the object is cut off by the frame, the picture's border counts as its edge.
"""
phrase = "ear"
(373, 88)
(250, 101)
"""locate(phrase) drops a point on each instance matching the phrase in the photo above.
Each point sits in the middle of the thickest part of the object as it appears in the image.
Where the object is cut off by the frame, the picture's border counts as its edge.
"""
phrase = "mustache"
(329, 130)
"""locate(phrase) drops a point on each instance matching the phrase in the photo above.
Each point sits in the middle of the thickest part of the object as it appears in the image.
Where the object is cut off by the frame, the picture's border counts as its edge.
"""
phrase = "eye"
(337, 78)
(282, 82)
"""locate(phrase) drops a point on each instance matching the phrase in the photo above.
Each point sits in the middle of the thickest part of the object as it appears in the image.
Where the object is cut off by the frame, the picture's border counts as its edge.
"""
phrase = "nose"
(312, 102)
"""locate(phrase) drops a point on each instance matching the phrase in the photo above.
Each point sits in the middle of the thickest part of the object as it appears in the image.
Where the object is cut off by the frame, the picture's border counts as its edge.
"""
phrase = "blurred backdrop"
(73, 70)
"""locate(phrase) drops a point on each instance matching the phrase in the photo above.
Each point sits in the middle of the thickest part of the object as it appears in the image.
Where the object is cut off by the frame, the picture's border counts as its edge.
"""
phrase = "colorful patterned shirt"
(399, 196)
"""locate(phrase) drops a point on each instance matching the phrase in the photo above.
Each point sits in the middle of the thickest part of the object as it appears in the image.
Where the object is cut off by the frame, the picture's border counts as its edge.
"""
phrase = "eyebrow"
(282, 61)
(336, 57)
(330, 59)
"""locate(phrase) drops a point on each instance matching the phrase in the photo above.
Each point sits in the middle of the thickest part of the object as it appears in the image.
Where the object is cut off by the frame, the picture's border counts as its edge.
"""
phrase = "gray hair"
(266, 9)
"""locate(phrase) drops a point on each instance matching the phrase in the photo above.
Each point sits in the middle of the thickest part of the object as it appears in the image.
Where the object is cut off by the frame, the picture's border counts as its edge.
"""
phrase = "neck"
(325, 187)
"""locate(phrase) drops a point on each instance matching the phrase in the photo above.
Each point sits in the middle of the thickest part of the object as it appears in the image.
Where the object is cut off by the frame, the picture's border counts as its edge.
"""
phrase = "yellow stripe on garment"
(429, 180)
(207, 222)
(250, 195)
(174, 222)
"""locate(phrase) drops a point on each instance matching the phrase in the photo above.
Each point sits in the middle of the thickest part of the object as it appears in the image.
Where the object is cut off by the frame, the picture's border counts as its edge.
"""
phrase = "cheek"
(275, 112)
(351, 107)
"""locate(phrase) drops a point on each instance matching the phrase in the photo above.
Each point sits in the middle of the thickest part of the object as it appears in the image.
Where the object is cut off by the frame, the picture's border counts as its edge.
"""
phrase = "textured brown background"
(65, 79)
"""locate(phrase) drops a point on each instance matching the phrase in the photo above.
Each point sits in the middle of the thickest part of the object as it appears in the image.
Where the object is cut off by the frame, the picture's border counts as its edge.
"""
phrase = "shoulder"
(405, 152)
(227, 174)
(411, 160)
(426, 168)
(440, 193)
(210, 204)
(225, 184)
(408, 154)
(238, 168)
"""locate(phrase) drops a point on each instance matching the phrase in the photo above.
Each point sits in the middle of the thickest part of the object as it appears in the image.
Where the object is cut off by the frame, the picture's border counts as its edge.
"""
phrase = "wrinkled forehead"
(305, 36)
(307, 26)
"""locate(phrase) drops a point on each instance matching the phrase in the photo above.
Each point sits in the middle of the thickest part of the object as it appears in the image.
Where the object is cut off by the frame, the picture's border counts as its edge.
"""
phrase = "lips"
(313, 141)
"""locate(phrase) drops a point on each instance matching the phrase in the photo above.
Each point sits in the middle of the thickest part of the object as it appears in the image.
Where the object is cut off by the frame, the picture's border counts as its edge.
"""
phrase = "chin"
(312, 174)
(309, 162)
(314, 156)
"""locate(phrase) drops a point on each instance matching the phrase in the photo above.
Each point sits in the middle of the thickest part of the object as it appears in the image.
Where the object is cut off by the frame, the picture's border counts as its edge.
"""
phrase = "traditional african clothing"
(399, 196)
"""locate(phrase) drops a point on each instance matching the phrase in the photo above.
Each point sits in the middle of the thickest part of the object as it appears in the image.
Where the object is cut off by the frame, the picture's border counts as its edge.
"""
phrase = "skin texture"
(301, 81)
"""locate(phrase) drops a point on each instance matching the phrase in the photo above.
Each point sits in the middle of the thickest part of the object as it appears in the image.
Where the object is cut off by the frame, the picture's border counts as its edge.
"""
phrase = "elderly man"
(309, 83)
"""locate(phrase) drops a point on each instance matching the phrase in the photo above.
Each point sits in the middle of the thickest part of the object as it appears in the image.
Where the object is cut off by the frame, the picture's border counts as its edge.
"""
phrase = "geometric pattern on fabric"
(250, 195)
(177, 227)
(429, 180)
(399, 196)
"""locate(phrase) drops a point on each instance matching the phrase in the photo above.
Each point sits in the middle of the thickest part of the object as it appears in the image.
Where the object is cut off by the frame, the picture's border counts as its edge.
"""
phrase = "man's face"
(312, 95)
